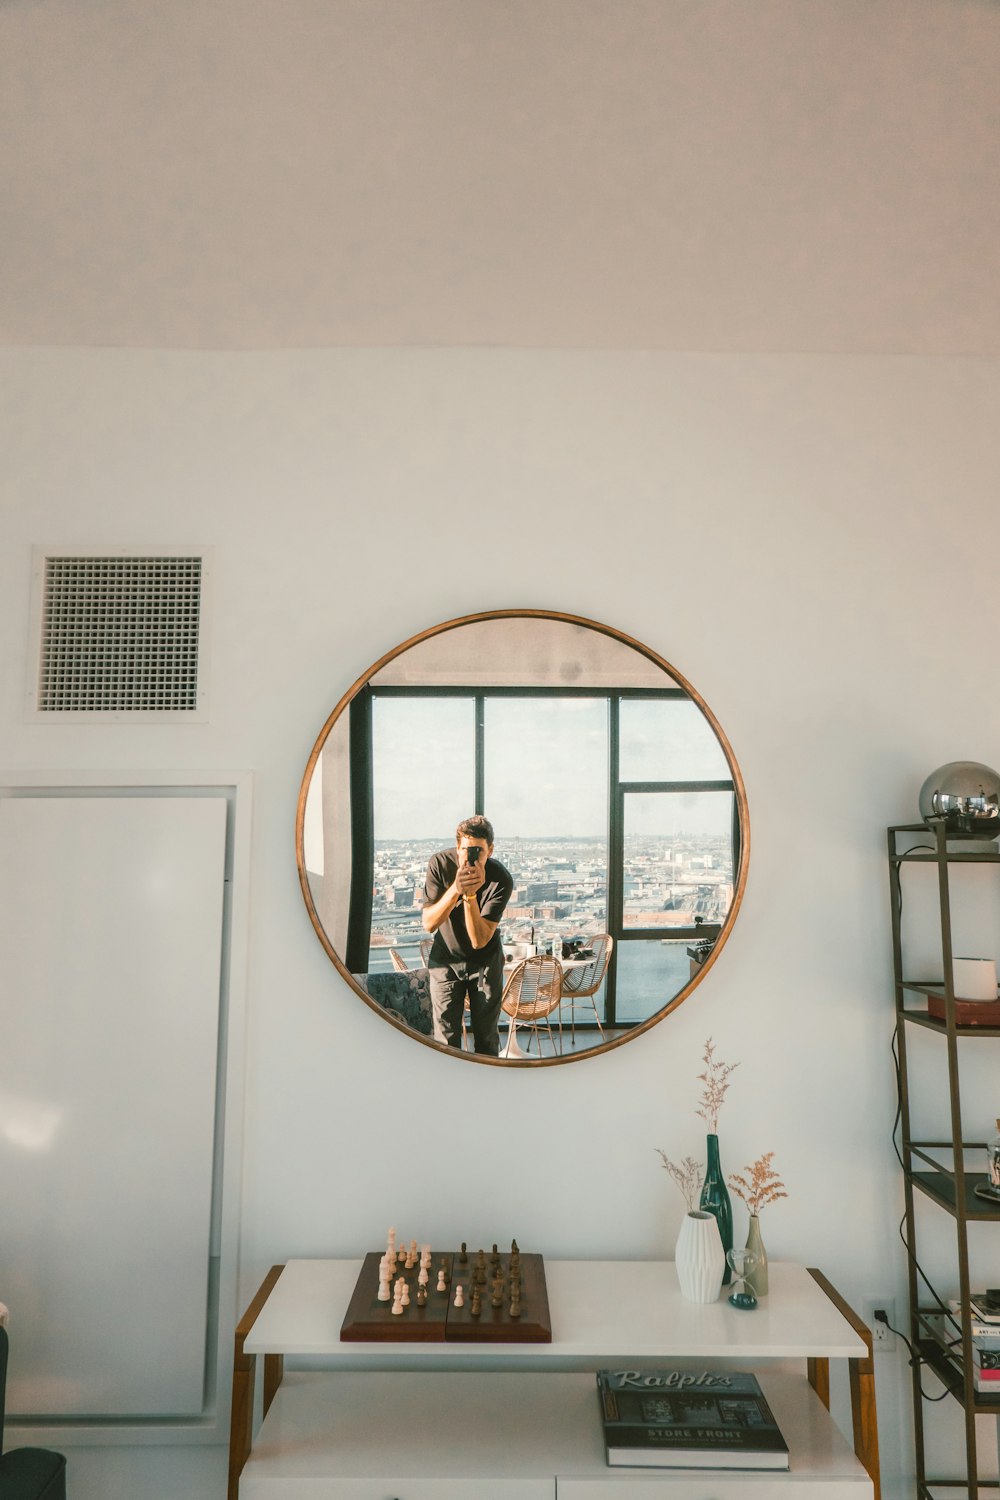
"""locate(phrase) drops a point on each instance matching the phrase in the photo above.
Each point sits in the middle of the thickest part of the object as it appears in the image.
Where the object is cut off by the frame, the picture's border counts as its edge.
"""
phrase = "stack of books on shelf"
(683, 1419)
(985, 1336)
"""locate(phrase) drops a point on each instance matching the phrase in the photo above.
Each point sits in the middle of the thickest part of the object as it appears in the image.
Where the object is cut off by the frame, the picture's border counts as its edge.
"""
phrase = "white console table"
(444, 1421)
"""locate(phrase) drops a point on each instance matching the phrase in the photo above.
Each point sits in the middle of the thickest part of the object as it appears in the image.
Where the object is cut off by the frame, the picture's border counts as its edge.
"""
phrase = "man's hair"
(475, 828)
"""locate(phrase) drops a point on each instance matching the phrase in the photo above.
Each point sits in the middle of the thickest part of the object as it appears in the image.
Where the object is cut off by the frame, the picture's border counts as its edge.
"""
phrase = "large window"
(614, 812)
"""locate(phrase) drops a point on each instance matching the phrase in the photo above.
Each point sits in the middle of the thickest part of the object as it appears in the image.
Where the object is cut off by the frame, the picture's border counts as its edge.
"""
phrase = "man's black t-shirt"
(451, 941)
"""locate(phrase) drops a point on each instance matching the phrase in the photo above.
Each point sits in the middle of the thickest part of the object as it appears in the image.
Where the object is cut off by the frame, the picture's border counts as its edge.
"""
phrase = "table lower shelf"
(507, 1436)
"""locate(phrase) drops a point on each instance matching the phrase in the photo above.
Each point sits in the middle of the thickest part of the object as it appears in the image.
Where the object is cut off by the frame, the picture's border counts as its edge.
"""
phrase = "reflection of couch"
(406, 993)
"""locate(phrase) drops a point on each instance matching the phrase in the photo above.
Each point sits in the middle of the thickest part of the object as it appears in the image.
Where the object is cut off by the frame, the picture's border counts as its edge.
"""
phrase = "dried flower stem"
(760, 1186)
(687, 1177)
(716, 1081)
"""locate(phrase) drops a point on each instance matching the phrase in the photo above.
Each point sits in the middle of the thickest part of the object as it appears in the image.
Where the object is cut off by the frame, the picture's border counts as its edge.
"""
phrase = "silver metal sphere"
(965, 796)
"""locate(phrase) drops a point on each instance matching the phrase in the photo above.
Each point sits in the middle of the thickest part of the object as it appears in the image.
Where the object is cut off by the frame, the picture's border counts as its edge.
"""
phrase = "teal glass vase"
(715, 1200)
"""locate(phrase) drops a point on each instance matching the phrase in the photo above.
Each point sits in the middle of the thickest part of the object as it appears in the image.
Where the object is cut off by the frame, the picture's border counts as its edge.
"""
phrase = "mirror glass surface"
(617, 806)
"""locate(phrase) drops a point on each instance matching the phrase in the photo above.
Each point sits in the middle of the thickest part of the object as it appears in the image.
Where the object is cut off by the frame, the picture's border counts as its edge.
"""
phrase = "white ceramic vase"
(699, 1257)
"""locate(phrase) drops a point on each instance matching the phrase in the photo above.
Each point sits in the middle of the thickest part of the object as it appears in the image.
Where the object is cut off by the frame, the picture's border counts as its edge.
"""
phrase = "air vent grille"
(120, 634)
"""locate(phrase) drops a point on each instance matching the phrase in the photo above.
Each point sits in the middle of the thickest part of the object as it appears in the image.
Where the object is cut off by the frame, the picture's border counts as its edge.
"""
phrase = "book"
(684, 1419)
(985, 1351)
(987, 1333)
(986, 1307)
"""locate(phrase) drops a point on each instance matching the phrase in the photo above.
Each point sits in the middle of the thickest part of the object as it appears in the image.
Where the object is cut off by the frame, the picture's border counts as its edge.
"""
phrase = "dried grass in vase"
(716, 1080)
(758, 1184)
(687, 1177)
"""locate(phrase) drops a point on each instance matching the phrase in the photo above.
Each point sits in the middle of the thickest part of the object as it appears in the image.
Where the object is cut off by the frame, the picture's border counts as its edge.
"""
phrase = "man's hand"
(469, 878)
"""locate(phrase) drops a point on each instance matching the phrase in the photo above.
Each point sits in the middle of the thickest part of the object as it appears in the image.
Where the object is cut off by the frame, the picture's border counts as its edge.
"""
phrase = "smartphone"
(473, 853)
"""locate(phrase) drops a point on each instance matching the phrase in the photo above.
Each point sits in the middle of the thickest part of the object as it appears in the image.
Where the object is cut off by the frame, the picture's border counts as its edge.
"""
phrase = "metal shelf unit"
(948, 1184)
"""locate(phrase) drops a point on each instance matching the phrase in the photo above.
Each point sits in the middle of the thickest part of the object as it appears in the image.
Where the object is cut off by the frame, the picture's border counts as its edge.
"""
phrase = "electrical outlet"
(883, 1340)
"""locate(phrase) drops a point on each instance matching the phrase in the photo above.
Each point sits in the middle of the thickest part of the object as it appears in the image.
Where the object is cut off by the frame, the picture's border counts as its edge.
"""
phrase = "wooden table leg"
(244, 1379)
(861, 1372)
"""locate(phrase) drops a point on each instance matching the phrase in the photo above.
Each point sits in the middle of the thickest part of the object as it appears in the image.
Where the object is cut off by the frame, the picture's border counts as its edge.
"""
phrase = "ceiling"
(664, 174)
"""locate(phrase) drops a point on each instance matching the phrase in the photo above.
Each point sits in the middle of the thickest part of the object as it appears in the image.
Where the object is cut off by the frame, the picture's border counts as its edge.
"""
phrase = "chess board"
(372, 1321)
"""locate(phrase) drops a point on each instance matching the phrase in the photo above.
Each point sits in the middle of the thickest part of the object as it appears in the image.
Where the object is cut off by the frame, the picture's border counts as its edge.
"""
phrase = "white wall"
(810, 540)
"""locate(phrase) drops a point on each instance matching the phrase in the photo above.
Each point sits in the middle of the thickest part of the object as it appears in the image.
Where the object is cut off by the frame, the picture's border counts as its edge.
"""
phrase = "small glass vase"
(757, 1275)
(716, 1201)
(699, 1257)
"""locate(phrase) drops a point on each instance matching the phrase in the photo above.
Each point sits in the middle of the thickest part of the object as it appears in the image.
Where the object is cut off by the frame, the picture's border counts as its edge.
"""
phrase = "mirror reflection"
(607, 874)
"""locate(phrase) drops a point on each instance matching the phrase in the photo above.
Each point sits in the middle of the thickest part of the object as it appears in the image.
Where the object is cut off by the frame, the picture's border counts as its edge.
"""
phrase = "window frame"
(362, 811)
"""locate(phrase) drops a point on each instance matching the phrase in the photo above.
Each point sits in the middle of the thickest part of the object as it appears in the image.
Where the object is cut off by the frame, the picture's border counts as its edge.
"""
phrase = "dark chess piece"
(463, 1258)
(421, 1296)
(497, 1299)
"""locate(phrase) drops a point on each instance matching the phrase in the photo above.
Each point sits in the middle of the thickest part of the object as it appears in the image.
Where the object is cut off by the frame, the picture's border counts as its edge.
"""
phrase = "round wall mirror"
(605, 879)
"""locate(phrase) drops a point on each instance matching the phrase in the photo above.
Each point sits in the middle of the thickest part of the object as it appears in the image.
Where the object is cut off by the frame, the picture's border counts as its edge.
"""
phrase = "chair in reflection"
(398, 961)
(426, 944)
(532, 992)
(582, 981)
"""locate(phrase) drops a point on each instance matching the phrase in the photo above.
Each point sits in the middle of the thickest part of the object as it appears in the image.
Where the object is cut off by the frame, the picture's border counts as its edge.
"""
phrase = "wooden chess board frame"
(370, 1321)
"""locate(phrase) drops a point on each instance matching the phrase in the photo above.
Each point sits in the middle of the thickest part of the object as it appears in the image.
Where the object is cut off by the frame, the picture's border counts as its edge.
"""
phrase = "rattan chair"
(582, 981)
(532, 992)
(426, 944)
(398, 961)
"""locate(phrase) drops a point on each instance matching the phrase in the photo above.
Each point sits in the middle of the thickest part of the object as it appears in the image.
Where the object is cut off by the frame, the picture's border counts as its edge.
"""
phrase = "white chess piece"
(442, 1285)
(459, 1295)
(422, 1277)
(405, 1295)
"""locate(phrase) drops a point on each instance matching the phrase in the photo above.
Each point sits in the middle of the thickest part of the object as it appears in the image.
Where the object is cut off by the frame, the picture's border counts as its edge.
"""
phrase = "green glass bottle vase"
(715, 1200)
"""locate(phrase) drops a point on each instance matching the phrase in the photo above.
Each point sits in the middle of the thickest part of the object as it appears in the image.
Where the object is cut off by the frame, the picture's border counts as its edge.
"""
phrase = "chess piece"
(405, 1294)
(497, 1299)
(476, 1306)
(463, 1257)
(422, 1276)
(442, 1285)
(444, 1272)
(422, 1295)
(397, 1299)
(515, 1304)
(425, 1255)
(481, 1268)
(459, 1295)
(384, 1294)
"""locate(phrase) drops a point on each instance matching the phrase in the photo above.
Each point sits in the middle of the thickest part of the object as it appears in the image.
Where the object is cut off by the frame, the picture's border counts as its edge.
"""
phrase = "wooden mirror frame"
(739, 874)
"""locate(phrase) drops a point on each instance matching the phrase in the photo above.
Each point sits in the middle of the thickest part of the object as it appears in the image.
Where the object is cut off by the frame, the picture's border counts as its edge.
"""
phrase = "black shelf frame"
(947, 1184)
